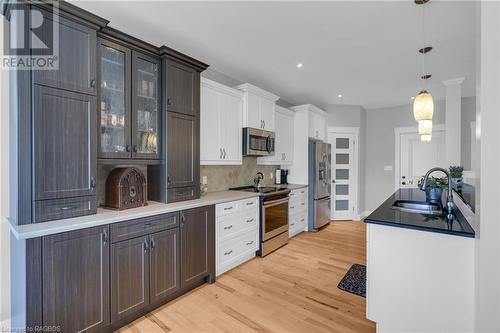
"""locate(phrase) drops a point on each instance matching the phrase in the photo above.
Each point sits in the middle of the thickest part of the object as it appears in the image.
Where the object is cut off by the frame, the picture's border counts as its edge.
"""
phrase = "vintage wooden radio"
(126, 188)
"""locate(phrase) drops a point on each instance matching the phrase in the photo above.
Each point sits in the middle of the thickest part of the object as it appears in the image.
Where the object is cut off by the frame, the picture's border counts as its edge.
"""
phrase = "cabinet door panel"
(231, 115)
(253, 117)
(76, 58)
(114, 77)
(198, 244)
(76, 280)
(181, 89)
(64, 144)
(165, 264)
(267, 113)
(183, 155)
(129, 277)
(146, 122)
(210, 129)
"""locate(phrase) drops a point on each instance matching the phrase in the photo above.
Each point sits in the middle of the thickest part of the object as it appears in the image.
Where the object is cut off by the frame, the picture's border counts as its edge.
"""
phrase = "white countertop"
(108, 216)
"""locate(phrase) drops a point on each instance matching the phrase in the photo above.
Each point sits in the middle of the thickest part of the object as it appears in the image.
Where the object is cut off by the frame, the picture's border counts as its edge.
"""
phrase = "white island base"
(419, 281)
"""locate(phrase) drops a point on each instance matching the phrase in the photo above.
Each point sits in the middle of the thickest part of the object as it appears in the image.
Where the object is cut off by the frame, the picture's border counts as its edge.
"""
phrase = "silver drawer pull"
(251, 220)
(303, 204)
(229, 227)
(292, 224)
(292, 207)
(228, 208)
(250, 243)
(302, 220)
(66, 208)
(228, 253)
(249, 203)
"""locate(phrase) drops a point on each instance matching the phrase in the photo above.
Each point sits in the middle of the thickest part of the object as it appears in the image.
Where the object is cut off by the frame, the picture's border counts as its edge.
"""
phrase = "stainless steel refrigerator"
(320, 175)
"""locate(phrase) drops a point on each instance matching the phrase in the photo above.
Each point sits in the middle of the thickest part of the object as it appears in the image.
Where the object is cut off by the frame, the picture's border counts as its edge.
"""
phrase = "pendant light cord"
(423, 47)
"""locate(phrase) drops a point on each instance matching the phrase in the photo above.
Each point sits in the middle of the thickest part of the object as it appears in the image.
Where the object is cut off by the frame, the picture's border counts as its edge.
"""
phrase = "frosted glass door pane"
(342, 174)
(342, 158)
(342, 189)
(342, 143)
(341, 204)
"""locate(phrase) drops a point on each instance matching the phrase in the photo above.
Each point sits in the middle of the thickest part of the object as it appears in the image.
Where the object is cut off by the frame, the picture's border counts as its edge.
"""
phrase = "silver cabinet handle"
(249, 203)
(250, 220)
(220, 155)
(292, 224)
(153, 244)
(228, 227)
(228, 208)
(66, 208)
(250, 243)
(104, 236)
(224, 149)
(145, 245)
(264, 123)
(228, 253)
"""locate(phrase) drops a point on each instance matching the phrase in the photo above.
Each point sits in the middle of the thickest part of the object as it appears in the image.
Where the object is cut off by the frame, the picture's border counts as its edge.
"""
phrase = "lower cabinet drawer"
(143, 226)
(297, 223)
(233, 248)
(55, 209)
(182, 194)
(231, 225)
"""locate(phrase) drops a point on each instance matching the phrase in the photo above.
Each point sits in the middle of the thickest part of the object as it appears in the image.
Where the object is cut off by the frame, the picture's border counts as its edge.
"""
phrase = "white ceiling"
(364, 50)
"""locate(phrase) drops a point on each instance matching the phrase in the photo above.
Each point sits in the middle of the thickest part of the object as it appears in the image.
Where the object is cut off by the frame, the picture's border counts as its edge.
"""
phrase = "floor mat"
(355, 280)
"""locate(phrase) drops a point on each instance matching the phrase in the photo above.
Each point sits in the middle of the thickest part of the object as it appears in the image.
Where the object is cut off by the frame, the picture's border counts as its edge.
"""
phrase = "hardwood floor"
(291, 290)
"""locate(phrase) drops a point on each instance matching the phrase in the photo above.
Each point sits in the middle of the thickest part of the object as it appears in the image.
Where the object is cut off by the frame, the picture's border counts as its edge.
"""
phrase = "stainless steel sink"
(421, 207)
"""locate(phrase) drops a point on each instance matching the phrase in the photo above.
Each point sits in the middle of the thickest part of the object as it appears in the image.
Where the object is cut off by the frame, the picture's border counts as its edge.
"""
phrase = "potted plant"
(434, 189)
(456, 174)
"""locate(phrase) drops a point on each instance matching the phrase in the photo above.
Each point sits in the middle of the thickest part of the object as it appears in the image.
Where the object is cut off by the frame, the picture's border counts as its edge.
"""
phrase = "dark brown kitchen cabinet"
(129, 277)
(64, 153)
(76, 55)
(75, 280)
(183, 156)
(165, 264)
(129, 103)
(183, 84)
(197, 245)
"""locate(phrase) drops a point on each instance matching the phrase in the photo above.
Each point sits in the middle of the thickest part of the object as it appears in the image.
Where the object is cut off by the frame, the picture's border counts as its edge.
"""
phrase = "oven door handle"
(275, 202)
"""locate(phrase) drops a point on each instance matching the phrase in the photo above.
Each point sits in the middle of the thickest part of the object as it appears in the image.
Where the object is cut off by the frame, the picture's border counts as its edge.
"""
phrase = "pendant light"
(423, 105)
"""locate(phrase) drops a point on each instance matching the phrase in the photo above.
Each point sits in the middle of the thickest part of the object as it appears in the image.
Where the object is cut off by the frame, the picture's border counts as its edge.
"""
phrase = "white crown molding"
(220, 87)
(451, 82)
(308, 107)
(247, 87)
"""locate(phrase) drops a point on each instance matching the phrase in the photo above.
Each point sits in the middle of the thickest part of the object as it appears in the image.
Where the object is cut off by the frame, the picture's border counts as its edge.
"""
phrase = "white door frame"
(354, 131)
(398, 131)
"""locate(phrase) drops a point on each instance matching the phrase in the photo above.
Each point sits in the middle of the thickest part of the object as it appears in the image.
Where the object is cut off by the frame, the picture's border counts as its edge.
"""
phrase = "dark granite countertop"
(385, 215)
(468, 195)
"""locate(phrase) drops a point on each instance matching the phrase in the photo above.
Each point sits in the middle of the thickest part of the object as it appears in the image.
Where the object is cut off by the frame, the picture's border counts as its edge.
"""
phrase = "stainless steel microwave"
(257, 142)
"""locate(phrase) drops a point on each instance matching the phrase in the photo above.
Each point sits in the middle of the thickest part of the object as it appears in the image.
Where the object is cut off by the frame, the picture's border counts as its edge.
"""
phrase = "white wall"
(380, 144)
(4, 194)
(488, 121)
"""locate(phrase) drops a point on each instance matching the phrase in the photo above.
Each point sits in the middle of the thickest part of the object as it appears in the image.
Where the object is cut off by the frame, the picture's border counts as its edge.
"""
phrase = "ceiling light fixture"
(423, 104)
(300, 65)
(339, 95)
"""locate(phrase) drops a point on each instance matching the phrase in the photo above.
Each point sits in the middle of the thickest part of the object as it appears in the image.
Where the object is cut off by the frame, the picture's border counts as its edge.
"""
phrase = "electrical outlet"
(204, 180)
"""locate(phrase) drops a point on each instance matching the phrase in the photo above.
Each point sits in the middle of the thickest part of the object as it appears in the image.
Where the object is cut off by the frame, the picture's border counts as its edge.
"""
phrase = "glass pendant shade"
(425, 127)
(423, 106)
(426, 138)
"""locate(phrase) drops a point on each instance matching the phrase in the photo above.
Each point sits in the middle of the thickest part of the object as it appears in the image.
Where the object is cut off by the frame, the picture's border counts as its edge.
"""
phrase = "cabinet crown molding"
(247, 87)
(309, 108)
(284, 110)
(166, 51)
(214, 85)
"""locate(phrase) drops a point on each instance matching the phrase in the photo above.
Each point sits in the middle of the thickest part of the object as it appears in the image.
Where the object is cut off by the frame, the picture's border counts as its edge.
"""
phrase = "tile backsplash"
(223, 177)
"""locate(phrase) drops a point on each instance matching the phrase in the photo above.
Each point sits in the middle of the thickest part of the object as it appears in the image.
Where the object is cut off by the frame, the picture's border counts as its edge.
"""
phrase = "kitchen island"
(419, 266)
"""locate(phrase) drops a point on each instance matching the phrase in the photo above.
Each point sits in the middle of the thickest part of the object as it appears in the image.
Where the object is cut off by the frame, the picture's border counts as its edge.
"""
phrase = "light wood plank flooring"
(291, 290)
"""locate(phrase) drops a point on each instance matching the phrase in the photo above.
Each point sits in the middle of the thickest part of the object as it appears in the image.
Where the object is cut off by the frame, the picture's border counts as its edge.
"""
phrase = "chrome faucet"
(258, 178)
(449, 199)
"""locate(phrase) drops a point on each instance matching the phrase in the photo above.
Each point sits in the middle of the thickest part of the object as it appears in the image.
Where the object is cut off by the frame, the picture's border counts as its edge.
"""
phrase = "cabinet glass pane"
(342, 189)
(341, 173)
(341, 204)
(342, 158)
(342, 143)
(112, 100)
(147, 106)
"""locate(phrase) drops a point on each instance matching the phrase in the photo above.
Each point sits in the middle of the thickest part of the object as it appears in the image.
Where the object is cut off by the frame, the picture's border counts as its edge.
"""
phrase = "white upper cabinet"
(221, 124)
(258, 107)
(283, 154)
(317, 120)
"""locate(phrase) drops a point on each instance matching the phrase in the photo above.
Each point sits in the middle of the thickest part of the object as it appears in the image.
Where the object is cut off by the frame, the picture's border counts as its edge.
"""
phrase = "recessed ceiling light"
(412, 97)
(339, 95)
(299, 65)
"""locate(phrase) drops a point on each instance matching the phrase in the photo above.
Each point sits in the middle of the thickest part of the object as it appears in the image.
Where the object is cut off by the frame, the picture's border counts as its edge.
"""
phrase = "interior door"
(417, 157)
(343, 205)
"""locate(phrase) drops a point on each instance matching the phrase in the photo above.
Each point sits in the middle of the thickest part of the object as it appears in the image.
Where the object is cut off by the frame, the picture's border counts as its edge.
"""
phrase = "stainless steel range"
(273, 217)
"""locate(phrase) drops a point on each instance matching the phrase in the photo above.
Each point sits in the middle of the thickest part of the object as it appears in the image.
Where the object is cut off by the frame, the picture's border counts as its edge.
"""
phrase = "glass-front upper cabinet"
(146, 106)
(129, 103)
(114, 100)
